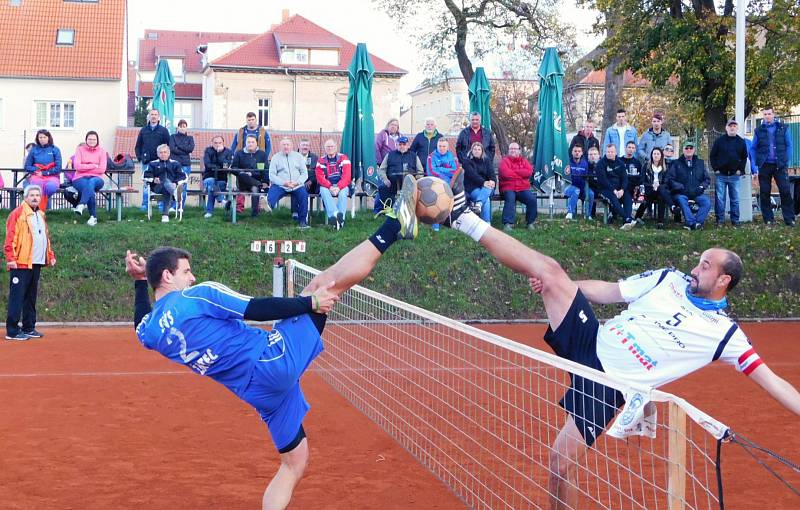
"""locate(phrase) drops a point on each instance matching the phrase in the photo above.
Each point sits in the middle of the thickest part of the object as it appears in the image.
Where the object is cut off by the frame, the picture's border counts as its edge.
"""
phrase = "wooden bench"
(112, 195)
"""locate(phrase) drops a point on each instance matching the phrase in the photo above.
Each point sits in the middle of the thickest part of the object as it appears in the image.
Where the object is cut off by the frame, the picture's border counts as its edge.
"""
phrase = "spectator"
(425, 141)
(479, 181)
(515, 185)
(252, 128)
(311, 167)
(90, 163)
(163, 174)
(656, 192)
(633, 167)
(27, 249)
(251, 163)
(688, 180)
(43, 165)
(386, 140)
(443, 165)
(216, 160)
(669, 154)
(585, 138)
(592, 159)
(612, 180)
(728, 161)
(474, 133)
(150, 137)
(394, 167)
(181, 146)
(578, 172)
(620, 133)
(287, 175)
(656, 136)
(334, 176)
(772, 151)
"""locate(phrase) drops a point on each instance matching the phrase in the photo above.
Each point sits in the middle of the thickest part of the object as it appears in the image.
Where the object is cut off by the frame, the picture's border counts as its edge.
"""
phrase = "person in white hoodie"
(287, 176)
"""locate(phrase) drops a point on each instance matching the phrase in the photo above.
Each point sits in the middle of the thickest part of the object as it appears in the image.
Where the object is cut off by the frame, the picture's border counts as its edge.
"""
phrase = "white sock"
(471, 224)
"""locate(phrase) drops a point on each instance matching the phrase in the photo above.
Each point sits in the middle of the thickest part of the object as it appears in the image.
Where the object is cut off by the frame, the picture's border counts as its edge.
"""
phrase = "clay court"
(92, 420)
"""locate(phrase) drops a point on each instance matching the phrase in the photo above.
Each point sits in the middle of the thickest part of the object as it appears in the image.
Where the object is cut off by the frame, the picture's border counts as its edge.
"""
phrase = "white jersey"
(663, 336)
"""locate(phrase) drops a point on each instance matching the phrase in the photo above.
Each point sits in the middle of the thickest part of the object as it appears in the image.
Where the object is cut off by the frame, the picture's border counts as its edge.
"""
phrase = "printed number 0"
(678, 319)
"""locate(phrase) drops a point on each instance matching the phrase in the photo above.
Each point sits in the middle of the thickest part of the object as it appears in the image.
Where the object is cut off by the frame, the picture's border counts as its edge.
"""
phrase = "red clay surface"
(92, 420)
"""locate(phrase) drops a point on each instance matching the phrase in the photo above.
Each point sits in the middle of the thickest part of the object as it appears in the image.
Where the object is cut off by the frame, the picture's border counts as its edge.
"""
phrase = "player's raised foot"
(404, 209)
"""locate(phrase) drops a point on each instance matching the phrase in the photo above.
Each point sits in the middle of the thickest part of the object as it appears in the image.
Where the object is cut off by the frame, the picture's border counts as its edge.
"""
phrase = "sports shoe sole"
(405, 208)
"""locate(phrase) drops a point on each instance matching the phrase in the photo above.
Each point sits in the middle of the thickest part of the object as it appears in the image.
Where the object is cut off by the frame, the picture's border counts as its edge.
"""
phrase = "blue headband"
(706, 304)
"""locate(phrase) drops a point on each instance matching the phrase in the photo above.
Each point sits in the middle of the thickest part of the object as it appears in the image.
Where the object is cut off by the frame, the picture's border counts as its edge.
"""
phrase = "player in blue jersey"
(202, 327)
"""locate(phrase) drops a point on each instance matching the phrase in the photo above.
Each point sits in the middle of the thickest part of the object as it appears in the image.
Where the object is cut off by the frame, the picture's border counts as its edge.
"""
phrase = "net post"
(277, 277)
(290, 278)
(677, 457)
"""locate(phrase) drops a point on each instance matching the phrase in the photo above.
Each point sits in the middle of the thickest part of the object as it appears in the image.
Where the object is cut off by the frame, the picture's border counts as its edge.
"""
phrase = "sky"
(360, 22)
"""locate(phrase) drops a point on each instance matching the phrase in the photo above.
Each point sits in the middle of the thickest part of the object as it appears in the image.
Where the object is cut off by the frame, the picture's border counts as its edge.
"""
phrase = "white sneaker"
(207, 215)
(165, 218)
(264, 204)
(172, 210)
(92, 221)
(79, 209)
(569, 216)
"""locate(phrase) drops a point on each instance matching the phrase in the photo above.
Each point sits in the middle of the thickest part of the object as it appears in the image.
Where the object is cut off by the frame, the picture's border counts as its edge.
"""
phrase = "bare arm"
(601, 292)
(777, 387)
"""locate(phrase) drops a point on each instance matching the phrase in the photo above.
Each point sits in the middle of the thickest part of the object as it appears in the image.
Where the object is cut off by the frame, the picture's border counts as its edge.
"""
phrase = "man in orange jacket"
(27, 249)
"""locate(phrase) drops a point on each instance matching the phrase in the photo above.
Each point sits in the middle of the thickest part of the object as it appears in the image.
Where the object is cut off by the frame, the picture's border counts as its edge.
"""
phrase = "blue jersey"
(203, 328)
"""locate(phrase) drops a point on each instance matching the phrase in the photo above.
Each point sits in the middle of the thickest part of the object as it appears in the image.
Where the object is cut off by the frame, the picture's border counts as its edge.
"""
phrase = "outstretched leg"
(279, 491)
(568, 450)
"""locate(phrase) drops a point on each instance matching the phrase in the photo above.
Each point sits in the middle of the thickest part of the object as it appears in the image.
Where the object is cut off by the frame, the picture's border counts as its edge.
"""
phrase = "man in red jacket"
(515, 185)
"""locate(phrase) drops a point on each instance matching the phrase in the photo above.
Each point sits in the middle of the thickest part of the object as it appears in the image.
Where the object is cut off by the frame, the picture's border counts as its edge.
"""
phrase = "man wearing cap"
(688, 180)
(395, 166)
(728, 161)
(27, 250)
(772, 151)
(654, 137)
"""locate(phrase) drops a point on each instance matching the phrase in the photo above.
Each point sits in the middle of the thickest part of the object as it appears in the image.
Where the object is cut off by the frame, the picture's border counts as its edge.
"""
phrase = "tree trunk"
(715, 118)
(501, 134)
(613, 84)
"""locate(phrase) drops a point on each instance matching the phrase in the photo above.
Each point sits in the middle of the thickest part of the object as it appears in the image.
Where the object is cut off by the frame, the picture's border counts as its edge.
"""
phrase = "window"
(65, 37)
(458, 103)
(55, 114)
(324, 57)
(175, 67)
(183, 110)
(341, 113)
(263, 112)
(294, 56)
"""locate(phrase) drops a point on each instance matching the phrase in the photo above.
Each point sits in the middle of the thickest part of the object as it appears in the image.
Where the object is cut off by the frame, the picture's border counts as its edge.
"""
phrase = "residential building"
(62, 68)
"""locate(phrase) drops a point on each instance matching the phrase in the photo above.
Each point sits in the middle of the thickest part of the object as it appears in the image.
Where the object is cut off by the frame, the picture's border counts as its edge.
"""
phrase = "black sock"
(386, 235)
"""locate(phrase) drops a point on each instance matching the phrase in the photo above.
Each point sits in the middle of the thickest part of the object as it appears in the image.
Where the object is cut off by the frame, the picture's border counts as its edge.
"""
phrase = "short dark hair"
(631, 143)
(183, 122)
(621, 110)
(47, 134)
(217, 136)
(608, 146)
(250, 114)
(163, 257)
(733, 267)
(92, 133)
(767, 107)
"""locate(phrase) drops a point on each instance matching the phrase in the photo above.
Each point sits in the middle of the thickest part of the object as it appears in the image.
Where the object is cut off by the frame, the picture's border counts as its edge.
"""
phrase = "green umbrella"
(358, 137)
(164, 94)
(550, 154)
(480, 94)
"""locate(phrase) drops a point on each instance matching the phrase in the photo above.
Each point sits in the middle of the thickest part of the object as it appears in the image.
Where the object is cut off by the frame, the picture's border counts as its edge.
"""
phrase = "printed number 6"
(678, 319)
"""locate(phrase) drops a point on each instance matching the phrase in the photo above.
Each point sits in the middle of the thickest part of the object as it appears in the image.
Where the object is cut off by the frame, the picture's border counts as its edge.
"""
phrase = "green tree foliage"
(691, 45)
(140, 114)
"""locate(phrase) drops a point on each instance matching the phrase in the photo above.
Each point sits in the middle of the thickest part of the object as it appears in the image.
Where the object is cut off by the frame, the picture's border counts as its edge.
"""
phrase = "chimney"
(284, 15)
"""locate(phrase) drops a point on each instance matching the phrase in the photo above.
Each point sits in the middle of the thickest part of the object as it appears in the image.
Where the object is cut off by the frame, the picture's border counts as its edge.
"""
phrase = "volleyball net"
(482, 412)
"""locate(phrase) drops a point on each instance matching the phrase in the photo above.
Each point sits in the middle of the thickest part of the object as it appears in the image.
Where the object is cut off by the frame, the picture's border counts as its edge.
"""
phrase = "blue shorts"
(274, 390)
(592, 405)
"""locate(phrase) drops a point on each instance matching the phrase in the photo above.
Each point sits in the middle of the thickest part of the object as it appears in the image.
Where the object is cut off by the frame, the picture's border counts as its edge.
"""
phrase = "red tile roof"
(182, 90)
(262, 51)
(171, 43)
(629, 80)
(28, 39)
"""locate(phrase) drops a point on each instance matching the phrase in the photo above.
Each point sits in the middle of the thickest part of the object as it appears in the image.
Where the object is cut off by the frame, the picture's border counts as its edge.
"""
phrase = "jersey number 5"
(676, 320)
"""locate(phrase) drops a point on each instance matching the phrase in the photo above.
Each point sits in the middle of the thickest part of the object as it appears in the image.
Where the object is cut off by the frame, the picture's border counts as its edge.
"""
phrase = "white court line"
(92, 374)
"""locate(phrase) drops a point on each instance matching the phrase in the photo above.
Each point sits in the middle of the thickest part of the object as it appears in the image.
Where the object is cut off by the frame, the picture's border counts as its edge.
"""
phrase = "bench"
(112, 195)
(600, 203)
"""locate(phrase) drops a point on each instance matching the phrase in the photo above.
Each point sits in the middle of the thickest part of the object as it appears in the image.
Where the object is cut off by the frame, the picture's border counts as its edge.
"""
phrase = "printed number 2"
(678, 318)
(175, 334)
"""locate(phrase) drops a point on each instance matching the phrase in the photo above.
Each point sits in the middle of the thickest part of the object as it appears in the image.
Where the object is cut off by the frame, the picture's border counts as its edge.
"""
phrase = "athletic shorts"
(274, 389)
(591, 404)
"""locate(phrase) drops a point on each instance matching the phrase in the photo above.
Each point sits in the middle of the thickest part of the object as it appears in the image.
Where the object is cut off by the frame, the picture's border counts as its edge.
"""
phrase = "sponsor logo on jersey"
(583, 317)
(204, 362)
(628, 339)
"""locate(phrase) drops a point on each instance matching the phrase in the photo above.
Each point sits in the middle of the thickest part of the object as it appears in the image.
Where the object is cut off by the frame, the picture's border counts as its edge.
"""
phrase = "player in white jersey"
(674, 325)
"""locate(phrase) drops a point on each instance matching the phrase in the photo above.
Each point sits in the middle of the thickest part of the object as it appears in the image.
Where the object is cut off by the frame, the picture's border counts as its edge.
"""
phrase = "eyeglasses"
(690, 148)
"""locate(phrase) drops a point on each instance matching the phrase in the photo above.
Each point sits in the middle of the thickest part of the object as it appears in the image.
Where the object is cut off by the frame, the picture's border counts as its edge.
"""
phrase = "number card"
(300, 247)
(287, 247)
(255, 246)
(270, 247)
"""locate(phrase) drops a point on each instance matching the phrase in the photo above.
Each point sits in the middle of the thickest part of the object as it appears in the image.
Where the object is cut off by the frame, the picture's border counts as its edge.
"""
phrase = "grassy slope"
(444, 272)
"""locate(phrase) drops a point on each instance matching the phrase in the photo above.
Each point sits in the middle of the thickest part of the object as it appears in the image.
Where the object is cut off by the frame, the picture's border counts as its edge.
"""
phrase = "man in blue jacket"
(772, 150)
(150, 137)
(621, 133)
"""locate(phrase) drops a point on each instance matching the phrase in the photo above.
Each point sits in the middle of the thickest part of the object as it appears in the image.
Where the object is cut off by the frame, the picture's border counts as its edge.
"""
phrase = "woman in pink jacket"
(515, 185)
(90, 165)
